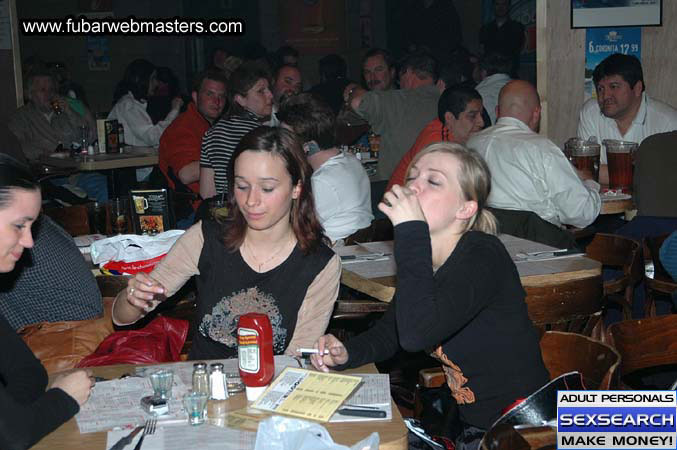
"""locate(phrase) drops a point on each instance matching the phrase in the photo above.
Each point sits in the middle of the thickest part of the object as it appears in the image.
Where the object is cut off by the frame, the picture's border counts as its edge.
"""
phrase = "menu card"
(307, 394)
(151, 211)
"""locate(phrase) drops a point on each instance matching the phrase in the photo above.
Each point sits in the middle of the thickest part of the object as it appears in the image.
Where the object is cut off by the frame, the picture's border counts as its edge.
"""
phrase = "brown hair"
(474, 179)
(310, 118)
(304, 222)
(240, 82)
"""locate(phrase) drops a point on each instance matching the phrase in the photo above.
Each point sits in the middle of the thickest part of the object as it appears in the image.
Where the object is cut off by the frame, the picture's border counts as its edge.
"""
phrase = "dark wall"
(72, 50)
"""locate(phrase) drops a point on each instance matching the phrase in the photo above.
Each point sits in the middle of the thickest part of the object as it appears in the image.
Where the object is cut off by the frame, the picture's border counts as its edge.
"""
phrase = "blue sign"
(603, 42)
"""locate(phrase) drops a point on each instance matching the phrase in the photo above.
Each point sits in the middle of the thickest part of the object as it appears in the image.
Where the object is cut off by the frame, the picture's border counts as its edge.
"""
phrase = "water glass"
(162, 381)
(196, 406)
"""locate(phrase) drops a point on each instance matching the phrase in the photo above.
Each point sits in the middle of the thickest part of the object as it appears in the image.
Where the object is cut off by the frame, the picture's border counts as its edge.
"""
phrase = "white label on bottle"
(248, 350)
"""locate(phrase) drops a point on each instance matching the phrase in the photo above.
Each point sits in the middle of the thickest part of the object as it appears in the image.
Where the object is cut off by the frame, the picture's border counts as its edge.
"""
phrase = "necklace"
(257, 261)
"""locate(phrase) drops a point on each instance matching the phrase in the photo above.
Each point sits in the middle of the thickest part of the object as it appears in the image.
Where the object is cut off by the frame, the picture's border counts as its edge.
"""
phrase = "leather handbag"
(61, 345)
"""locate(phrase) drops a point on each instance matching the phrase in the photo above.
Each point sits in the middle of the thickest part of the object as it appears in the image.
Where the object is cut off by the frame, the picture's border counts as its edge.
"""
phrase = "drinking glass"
(84, 137)
(196, 406)
(218, 208)
(97, 215)
(620, 158)
(162, 381)
(119, 215)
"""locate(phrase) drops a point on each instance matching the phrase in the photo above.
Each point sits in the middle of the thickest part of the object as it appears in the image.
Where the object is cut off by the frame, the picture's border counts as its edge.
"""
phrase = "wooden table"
(130, 157)
(615, 206)
(532, 273)
(392, 433)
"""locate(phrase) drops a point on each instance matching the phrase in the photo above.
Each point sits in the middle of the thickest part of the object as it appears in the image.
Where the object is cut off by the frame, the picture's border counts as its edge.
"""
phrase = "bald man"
(528, 171)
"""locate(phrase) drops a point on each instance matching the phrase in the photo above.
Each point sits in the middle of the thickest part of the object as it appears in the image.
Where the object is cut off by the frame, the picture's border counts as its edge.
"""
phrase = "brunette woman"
(28, 412)
(268, 256)
(250, 102)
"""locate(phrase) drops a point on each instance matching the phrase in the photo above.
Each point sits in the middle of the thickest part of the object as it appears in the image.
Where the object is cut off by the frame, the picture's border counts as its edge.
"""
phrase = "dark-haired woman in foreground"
(458, 292)
(268, 256)
(27, 411)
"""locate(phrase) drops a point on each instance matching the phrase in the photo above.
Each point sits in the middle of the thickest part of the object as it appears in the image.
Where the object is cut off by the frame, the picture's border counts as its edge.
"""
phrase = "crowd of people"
(460, 147)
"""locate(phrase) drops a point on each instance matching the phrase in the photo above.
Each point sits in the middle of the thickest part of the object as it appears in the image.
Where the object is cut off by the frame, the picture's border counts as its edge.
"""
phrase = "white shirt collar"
(640, 117)
(512, 121)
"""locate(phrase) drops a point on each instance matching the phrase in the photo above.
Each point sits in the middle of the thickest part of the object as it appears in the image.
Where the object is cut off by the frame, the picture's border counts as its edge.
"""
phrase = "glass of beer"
(620, 158)
(119, 215)
(584, 155)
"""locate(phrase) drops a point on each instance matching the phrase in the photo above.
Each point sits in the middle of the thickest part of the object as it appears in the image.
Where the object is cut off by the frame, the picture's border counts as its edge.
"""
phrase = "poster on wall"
(616, 13)
(602, 42)
(98, 53)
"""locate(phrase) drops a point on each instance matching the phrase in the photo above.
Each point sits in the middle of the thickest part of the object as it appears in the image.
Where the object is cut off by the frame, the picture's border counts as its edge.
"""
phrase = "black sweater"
(27, 412)
(473, 306)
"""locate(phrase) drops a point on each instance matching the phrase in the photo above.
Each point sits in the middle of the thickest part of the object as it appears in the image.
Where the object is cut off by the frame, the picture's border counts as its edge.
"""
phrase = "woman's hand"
(336, 353)
(144, 293)
(400, 204)
(77, 384)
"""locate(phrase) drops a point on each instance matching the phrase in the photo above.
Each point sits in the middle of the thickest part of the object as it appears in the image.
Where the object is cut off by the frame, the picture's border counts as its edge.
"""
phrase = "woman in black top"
(27, 411)
(269, 256)
(458, 292)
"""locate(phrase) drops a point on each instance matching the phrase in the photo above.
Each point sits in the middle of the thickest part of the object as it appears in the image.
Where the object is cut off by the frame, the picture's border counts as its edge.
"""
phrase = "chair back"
(560, 304)
(644, 343)
(618, 252)
(623, 254)
(568, 352)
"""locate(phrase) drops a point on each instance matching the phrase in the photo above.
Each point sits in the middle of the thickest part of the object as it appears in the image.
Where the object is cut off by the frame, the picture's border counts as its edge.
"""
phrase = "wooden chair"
(566, 352)
(624, 254)
(645, 343)
(567, 306)
(662, 283)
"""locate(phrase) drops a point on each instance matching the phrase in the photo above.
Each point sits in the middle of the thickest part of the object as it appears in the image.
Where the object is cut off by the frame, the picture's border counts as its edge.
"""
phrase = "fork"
(148, 429)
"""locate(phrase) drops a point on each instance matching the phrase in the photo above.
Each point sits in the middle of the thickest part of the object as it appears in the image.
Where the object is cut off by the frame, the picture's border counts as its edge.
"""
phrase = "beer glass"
(584, 155)
(620, 158)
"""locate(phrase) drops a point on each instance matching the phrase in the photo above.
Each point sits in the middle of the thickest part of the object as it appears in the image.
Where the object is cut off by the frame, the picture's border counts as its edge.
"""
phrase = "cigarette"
(311, 351)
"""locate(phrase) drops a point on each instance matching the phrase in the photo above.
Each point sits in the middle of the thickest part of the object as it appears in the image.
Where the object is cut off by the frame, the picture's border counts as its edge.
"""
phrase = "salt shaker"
(217, 382)
(200, 378)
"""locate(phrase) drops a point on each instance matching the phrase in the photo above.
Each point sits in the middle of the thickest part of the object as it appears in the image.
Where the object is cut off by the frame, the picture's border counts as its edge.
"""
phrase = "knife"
(378, 414)
(125, 441)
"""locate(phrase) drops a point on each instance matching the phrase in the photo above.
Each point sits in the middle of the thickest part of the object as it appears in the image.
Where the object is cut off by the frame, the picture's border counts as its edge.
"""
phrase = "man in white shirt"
(528, 171)
(494, 69)
(622, 109)
(340, 184)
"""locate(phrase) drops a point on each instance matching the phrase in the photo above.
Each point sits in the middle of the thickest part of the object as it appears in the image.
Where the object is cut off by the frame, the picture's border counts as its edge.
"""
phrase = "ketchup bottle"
(255, 353)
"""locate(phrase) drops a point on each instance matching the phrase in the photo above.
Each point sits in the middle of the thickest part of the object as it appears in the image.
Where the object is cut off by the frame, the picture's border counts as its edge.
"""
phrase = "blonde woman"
(458, 292)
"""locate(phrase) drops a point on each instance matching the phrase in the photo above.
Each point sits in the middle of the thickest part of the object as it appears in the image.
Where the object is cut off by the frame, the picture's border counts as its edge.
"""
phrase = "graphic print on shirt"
(455, 378)
(221, 324)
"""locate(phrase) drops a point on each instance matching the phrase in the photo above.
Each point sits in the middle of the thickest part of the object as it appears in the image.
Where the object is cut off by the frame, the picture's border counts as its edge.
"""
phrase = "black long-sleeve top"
(27, 412)
(473, 306)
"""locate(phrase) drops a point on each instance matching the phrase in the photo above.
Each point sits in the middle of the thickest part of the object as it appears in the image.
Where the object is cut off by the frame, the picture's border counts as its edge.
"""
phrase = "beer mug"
(620, 158)
(584, 155)
(140, 204)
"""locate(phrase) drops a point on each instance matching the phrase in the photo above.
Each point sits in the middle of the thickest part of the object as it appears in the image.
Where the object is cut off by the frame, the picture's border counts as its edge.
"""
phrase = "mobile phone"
(154, 405)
